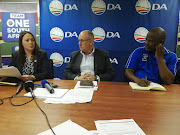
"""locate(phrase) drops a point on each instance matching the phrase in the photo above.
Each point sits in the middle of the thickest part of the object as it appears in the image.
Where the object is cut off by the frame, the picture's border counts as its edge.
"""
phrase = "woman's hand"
(27, 77)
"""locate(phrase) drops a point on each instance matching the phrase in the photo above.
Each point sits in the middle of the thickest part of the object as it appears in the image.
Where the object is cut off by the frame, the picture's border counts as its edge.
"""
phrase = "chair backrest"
(51, 69)
(177, 78)
(15, 48)
(0, 59)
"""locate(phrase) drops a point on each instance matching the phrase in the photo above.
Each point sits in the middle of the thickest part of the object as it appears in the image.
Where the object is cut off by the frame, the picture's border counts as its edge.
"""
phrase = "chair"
(177, 78)
(51, 69)
(15, 48)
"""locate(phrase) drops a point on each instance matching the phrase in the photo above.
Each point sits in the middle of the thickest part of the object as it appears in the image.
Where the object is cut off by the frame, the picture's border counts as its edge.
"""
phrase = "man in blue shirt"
(153, 62)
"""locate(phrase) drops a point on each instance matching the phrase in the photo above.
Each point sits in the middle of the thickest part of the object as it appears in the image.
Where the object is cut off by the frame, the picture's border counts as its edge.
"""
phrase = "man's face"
(85, 43)
(151, 42)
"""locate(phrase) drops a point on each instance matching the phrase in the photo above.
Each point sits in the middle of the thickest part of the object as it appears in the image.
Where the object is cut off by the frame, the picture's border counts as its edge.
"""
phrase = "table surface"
(156, 112)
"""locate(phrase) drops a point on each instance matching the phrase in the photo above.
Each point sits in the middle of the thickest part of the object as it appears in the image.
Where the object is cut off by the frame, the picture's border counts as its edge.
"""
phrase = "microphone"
(45, 84)
(20, 87)
(29, 86)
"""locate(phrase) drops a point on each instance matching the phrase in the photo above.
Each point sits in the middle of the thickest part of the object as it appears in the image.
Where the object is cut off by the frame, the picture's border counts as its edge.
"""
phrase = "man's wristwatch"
(97, 78)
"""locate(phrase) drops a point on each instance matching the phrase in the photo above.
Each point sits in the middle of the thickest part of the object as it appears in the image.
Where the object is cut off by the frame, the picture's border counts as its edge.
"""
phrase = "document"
(118, 127)
(152, 86)
(63, 96)
(66, 128)
(10, 71)
(95, 87)
(44, 93)
(73, 96)
(93, 132)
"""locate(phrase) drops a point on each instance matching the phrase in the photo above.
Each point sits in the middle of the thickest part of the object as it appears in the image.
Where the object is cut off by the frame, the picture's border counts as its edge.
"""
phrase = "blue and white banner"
(119, 27)
(14, 23)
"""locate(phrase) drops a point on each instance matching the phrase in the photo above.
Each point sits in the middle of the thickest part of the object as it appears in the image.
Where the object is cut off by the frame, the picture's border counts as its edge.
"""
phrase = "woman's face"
(28, 42)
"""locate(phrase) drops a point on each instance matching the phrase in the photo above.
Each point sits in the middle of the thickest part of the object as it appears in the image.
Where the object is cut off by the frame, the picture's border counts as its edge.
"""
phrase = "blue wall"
(119, 26)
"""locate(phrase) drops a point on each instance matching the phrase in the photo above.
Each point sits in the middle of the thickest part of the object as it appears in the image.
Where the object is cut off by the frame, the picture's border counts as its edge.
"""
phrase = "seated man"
(89, 63)
(153, 62)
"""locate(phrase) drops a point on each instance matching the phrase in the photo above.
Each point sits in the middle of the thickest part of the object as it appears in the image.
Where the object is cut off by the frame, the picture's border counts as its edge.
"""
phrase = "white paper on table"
(118, 127)
(44, 93)
(73, 96)
(10, 71)
(93, 132)
(66, 128)
(93, 88)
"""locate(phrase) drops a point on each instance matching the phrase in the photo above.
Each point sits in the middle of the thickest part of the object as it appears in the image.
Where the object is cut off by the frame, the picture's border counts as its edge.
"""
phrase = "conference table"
(156, 112)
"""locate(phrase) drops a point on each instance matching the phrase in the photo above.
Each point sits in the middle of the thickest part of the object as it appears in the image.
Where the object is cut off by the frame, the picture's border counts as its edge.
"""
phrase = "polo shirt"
(145, 64)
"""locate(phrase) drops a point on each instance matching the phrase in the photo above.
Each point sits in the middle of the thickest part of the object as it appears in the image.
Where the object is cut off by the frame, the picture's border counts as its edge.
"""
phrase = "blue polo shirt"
(145, 64)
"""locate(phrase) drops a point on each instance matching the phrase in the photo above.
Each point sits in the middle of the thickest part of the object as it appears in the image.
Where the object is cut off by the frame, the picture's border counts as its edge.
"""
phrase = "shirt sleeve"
(132, 61)
(171, 63)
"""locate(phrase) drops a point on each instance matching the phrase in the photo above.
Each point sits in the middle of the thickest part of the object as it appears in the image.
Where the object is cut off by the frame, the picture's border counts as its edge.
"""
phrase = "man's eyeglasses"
(83, 40)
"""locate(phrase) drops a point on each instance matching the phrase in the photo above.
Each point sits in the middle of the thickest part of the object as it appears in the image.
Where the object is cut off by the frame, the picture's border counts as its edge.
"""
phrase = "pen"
(37, 85)
(148, 82)
(8, 83)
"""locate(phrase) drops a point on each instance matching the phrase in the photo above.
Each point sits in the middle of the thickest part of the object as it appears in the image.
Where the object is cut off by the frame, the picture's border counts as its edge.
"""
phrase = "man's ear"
(162, 42)
(92, 41)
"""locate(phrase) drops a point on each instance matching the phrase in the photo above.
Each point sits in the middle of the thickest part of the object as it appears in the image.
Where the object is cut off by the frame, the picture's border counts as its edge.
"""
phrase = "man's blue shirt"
(145, 64)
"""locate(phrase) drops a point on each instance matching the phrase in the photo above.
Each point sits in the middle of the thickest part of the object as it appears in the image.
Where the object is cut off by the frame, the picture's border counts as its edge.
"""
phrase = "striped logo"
(99, 34)
(140, 34)
(98, 7)
(57, 59)
(56, 7)
(10, 23)
(56, 34)
(143, 7)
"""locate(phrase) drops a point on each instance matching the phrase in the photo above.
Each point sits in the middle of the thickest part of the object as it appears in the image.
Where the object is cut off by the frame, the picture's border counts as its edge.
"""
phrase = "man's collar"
(166, 51)
(90, 53)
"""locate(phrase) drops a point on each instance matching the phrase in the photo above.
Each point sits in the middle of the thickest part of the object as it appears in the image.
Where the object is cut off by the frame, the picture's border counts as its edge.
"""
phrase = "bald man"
(153, 62)
(89, 63)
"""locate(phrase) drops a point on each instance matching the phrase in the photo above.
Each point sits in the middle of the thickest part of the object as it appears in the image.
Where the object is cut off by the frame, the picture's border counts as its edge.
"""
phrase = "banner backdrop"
(119, 27)
(14, 23)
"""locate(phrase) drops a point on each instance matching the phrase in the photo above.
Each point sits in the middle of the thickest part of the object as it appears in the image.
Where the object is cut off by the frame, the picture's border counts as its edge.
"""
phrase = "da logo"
(143, 7)
(56, 34)
(57, 59)
(140, 34)
(56, 7)
(10, 23)
(98, 7)
(99, 34)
